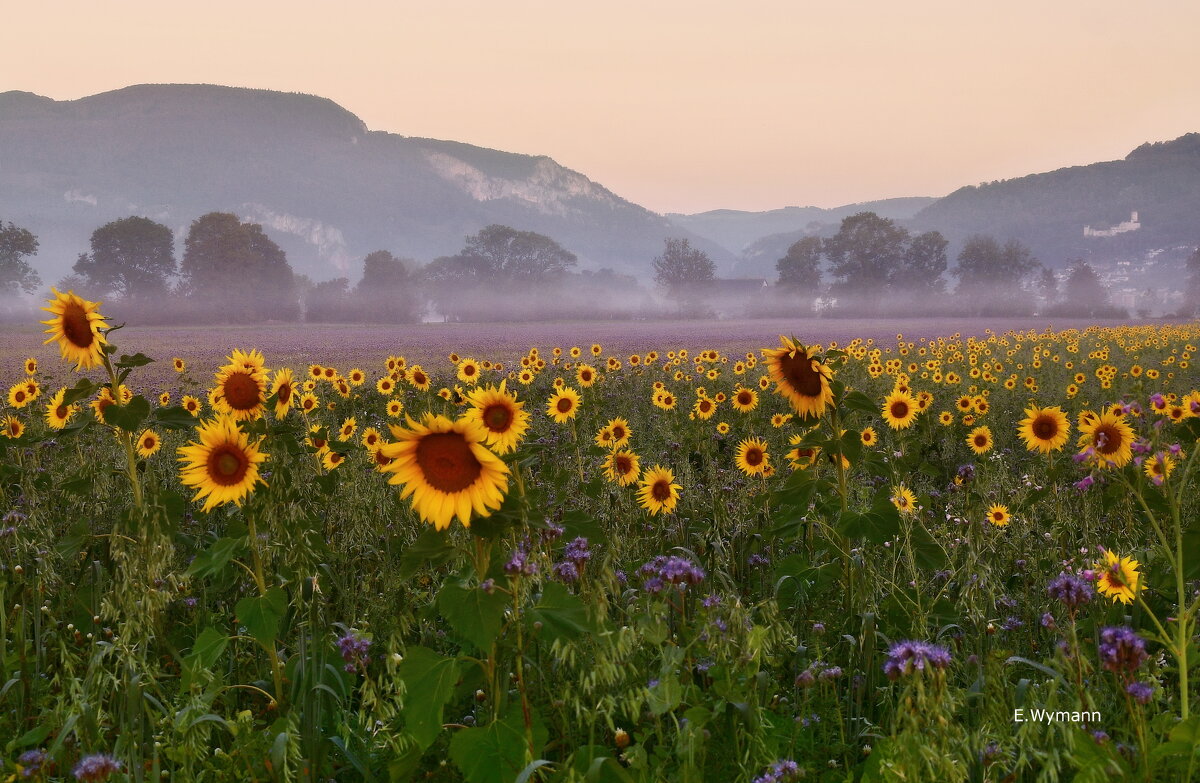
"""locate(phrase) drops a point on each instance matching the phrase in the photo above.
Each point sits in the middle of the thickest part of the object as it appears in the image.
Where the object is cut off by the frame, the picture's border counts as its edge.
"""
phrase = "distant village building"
(1129, 225)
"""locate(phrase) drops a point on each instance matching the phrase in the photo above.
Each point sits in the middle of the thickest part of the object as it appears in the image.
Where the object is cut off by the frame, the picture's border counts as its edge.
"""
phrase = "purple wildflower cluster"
(520, 564)
(1121, 650)
(666, 570)
(907, 657)
(1140, 691)
(575, 557)
(97, 767)
(354, 650)
(34, 763)
(782, 770)
(1072, 590)
(818, 671)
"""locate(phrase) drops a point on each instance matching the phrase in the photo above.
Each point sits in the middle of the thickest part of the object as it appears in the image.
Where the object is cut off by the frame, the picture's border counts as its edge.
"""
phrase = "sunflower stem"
(261, 583)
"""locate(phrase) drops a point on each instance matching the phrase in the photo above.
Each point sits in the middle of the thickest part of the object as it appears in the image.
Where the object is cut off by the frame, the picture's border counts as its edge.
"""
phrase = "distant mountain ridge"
(324, 186)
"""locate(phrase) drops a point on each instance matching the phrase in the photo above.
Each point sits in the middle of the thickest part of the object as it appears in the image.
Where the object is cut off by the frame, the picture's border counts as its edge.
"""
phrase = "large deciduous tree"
(132, 258)
(517, 255)
(993, 279)
(864, 256)
(683, 271)
(386, 292)
(16, 274)
(234, 271)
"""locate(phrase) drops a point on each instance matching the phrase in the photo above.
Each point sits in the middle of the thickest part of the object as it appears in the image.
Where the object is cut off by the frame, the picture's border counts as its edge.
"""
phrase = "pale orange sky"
(678, 106)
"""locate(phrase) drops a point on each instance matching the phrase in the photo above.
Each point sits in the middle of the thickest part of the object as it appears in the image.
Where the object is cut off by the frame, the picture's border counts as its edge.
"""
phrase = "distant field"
(346, 346)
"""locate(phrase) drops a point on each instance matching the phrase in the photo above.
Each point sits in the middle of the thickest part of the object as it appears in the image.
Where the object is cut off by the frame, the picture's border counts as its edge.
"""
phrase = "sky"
(677, 106)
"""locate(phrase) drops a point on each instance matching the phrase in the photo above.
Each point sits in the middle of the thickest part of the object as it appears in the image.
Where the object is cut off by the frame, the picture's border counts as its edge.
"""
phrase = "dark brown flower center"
(797, 370)
(497, 417)
(565, 405)
(1045, 427)
(447, 462)
(227, 465)
(241, 391)
(661, 490)
(76, 326)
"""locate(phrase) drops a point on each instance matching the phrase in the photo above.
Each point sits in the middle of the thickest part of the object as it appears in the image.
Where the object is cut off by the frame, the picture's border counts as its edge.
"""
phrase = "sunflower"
(241, 386)
(347, 430)
(622, 466)
(191, 404)
(356, 377)
(77, 327)
(1158, 467)
(868, 437)
(621, 433)
(945, 418)
(32, 389)
(801, 457)
(331, 459)
(11, 427)
(222, 465)
(148, 444)
(31, 366)
(394, 408)
(657, 491)
(103, 400)
(904, 500)
(998, 515)
(1107, 439)
(503, 419)
(563, 405)
(980, 440)
(899, 410)
(18, 395)
(1044, 429)
(780, 419)
(283, 387)
(468, 370)
(800, 378)
(704, 408)
(58, 414)
(752, 457)
(164, 399)
(385, 385)
(179, 364)
(722, 428)
(665, 400)
(445, 468)
(1118, 578)
(419, 378)
(309, 402)
(744, 400)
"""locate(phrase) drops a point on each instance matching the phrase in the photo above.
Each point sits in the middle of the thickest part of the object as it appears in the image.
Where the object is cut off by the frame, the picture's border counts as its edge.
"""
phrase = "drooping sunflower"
(752, 457)
(998, 515)
(11, 427)
(1107, 440)
(1118, 577)
(622, 467)
(563, 405)
(76, 325)
(241, 386)
(148, 444)
(1044, 429)
(284, 389)
(502, 417)
(899, 410)
(980, 439)
(800, 378)
(445, 468)
(57, 413)
(657, 492)
(222, 465)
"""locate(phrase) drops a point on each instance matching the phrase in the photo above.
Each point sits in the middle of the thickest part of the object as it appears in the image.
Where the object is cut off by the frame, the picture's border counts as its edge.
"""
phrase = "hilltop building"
(1129, 225)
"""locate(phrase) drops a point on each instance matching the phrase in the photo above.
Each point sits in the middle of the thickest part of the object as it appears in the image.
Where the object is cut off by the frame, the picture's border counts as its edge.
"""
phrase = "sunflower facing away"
(503, 419)
(752, 457)
(76, 326)
(657, 491)
(222, 465)
(1044, 429)
(445, 468)
(1118, 577)
(799, 378)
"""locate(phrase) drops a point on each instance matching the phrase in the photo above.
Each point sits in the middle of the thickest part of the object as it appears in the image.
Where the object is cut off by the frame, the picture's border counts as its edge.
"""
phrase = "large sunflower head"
(77, 327)
(799, 377)
(980, 439)
(1106, 440)
(503, 419)
(241, 386)
(622, 466)
(744, 400)
(657, 492)
(445, 468)
(1044, 429)
(222, 465)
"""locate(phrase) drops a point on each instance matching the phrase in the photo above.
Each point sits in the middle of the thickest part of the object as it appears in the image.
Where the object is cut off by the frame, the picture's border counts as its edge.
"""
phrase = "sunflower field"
(951, 559)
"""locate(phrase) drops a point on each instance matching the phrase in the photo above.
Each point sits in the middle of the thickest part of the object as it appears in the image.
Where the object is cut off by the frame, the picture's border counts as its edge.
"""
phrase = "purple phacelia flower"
(95, 768)
(907, 657)
(1140, 691)
(354, 649)
(1073, 591)
(1121, 650)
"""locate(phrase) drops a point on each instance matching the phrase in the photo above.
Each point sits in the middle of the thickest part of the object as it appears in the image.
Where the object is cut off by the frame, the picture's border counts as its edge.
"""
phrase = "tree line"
(231, 271)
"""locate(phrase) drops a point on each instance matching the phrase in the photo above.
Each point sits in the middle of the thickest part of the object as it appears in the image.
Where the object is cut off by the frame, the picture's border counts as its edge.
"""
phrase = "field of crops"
(879, 558)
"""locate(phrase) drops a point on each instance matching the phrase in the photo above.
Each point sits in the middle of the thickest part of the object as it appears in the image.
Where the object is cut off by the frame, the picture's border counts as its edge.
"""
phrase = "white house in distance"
(1129, 225)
